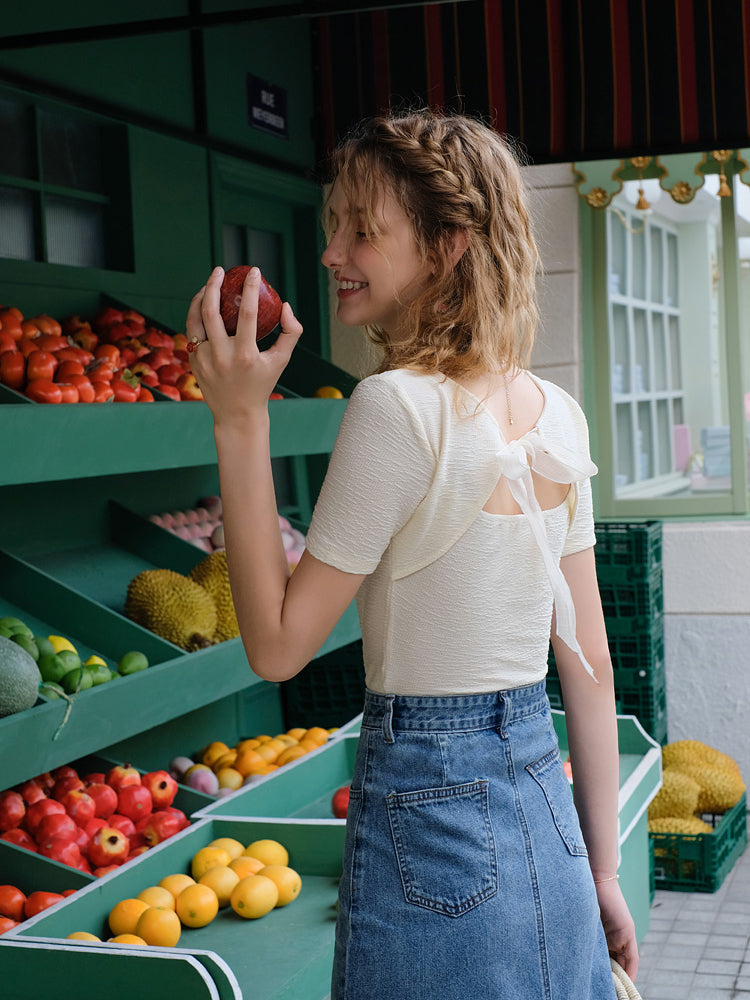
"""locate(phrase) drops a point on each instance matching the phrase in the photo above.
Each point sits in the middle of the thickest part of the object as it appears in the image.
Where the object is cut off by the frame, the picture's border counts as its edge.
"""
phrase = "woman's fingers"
(210, 314)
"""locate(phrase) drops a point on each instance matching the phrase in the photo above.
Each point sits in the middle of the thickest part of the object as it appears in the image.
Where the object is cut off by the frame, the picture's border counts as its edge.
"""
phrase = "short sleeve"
(581, 534)
(381, 468)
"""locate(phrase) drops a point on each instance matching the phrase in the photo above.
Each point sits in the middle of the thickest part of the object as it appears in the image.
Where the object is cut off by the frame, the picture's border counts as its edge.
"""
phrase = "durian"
(678, 796)
(679, 824)
(173, 606)
(212, 574)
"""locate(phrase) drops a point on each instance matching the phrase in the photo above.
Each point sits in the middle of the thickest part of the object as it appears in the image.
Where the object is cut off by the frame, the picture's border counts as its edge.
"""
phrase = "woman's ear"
(459, 244)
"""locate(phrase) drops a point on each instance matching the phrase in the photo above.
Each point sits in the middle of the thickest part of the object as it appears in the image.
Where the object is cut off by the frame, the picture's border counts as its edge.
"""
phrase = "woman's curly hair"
(449, 172)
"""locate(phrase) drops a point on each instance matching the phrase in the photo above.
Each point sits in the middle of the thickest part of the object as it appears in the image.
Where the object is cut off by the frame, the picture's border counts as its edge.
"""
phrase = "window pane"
(17, 148)
(233, 239)
(669, 388)
(17, 224)
(71, 152)
(265, 250)
(75, 233)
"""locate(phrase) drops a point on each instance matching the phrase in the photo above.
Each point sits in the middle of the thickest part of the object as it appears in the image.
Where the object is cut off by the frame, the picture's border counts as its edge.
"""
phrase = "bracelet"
(610, 878)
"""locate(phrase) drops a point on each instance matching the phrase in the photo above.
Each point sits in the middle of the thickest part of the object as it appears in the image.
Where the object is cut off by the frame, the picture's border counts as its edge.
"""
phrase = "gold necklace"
(507, 399)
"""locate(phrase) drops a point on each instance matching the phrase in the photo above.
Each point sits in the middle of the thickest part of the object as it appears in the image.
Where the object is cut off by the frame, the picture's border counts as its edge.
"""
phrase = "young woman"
(457, 508)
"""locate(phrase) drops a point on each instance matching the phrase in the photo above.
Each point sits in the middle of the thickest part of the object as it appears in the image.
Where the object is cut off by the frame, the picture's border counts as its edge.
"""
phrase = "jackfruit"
(679, 824)
(212, 574)
(173, 606)
(685, 754)
(717, 774)
(678, 796)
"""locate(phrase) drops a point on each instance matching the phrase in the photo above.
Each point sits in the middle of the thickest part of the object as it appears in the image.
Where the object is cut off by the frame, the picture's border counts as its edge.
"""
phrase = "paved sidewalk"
(698, 944)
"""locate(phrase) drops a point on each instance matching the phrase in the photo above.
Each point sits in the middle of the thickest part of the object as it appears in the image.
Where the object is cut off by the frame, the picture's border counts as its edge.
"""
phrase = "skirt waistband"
(455, 713)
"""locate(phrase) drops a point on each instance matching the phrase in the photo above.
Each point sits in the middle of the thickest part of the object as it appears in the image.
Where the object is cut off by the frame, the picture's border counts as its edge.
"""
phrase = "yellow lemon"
(269, 753)
(290, 754)
(287, 880)
(270, 852)
(245, 865)
(127, 939)
(197, 905)
(83, 936)
(317, 734)
(159, 927)
(157, 895)
(296, 733)
(229, 778)
(225, 760)
(246, 760)
(212, 752)
(290, 741)
(60, 642)
(222, 879)
(93, 660)
(124, 915)
(233, 847)
(208, 857)
(249, 744)
(254, 897)
(328, 392)
(176, 883)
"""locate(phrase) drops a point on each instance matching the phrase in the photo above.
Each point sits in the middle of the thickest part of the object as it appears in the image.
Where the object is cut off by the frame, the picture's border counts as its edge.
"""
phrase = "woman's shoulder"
(412, 389)
(562, 418)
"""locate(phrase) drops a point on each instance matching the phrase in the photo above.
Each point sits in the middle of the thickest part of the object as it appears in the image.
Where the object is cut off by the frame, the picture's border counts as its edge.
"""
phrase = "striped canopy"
(572, 79)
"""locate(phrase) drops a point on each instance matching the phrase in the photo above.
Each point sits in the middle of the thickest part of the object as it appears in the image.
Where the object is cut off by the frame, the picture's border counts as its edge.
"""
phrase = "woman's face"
(378, 275)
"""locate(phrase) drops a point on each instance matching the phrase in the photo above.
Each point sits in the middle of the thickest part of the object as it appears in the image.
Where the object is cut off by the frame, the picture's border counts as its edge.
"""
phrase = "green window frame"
(65, 195)
(601, 399)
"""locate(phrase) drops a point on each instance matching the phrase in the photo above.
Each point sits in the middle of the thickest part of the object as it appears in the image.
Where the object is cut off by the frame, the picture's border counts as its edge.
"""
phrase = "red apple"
(12, 810)
(154, 338)
(38, 810)
(340, 802)
(187, 386)
(134, 801)
(105, 869)
(169, 373)
(137, 851)
(161, 826)
(63, 771)
(106, 317)
(159, 356)
(67, 852)
(82, 866)
(56, 825)
(180, 815)
(94, 778)
(31, 791)
(80, 806)
(162, 786)
(95, 824)
(105, 798)
(108, 846)
(40, 900)
(122, 823)
(64, 785)
(269, 303)
(168, 390)
(122, 775)
(20, 838)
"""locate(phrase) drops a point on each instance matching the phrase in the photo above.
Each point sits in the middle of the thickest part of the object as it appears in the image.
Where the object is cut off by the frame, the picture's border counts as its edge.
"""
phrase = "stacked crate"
(629, 569)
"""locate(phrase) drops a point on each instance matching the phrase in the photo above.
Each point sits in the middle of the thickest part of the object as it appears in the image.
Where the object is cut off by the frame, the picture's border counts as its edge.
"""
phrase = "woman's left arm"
(591, 724)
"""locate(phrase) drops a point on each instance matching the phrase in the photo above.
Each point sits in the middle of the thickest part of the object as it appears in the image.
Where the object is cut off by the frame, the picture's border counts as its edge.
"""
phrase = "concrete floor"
(698, 944)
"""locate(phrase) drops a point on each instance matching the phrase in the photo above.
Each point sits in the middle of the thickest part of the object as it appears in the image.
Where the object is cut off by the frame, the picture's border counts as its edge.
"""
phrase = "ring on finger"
(194, 343)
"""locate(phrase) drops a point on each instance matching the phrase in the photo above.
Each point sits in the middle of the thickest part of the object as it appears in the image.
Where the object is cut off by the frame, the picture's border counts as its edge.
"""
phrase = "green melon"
(19, 678)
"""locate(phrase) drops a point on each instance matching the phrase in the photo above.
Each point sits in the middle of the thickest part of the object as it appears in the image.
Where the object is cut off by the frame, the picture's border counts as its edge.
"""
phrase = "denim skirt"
(465, 873)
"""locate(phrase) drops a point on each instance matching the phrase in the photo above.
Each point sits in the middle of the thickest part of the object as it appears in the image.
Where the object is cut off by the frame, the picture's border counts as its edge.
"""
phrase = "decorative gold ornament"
(722, 156)
(597, 197)
(681, 192)
(640, 163)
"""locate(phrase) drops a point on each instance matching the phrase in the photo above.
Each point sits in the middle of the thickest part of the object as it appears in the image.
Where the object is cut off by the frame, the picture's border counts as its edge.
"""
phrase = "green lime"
(15, 625)
(71, 660)
(100, 673)
(6, 632)
(44, 646)
(26, 642)
(52, 668)
(77, 679)
(131, 663)
(49, 690)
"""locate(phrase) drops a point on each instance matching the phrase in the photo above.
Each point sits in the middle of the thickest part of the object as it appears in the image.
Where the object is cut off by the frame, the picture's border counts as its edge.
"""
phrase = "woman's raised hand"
(235, 377)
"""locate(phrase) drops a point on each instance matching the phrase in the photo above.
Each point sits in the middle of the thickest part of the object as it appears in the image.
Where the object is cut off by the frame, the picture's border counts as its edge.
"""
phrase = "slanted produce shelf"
(285, 955)
(97, 439)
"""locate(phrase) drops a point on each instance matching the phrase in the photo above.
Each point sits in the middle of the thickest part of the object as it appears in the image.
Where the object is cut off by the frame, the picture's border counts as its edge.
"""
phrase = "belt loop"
(504, 711)
(388, 719)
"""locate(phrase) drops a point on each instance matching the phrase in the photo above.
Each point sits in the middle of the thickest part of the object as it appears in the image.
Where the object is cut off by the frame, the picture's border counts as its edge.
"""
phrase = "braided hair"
(448, 173)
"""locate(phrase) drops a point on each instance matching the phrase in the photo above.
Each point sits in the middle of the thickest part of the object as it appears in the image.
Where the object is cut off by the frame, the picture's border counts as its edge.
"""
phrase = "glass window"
(666, 338)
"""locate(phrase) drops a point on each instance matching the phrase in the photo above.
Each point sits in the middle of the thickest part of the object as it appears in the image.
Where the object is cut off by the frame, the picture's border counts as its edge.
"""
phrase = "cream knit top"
(456, 600)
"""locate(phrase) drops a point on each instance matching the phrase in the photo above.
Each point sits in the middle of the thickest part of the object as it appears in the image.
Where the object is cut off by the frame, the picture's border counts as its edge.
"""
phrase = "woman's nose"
(334, 254)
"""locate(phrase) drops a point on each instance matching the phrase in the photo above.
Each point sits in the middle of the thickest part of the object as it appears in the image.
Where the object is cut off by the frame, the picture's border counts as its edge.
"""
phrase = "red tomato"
(41, 364)
(51, 342)
(11, 902)
(40, 900)
(42, 390)
(29, 328)
(27, 346)
(100, 370)
(69, 392)
(67, 368)
(168, 390)
(7, 342)
(71, 353)
(145, 395)
(6, 923)
(12, 369)
(102, 391)
(108, 352)
(86, 393)
(124, 392)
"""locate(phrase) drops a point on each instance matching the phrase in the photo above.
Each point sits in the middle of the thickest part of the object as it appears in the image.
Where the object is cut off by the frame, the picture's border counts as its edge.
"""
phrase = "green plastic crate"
(646, 700)
(700, 862)
(628, 551)
(633, 606)
(328, 692)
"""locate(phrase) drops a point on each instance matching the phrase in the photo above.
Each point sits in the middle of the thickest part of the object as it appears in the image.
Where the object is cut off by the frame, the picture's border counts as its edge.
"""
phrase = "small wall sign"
(266, 106)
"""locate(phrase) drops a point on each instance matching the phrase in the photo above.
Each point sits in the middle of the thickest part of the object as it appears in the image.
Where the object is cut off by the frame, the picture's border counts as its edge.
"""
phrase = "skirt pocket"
(549, 775)
(445, 846)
